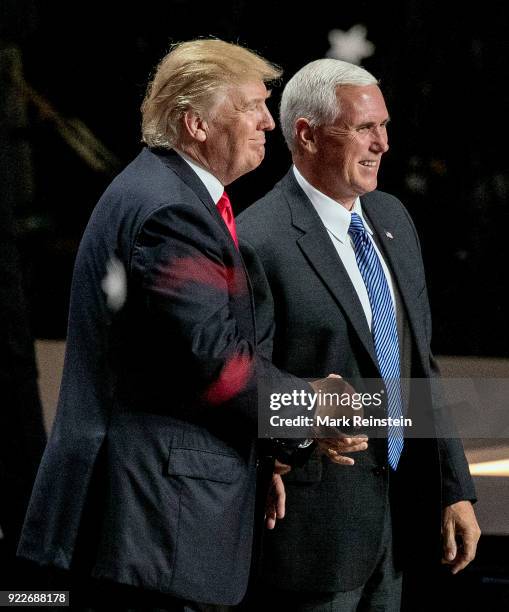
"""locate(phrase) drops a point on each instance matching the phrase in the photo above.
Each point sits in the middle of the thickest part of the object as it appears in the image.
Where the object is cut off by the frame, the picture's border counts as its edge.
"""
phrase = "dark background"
(443, 70)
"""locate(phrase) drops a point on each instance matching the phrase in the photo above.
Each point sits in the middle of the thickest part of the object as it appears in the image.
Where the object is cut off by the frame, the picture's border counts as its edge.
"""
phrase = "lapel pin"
(389, 235)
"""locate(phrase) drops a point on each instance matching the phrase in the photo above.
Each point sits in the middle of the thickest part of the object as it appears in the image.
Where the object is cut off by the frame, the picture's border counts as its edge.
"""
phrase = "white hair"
(311, 93)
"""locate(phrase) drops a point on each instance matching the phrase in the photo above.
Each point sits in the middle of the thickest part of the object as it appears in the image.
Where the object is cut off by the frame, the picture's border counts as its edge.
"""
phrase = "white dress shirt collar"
(213, 185)
(334, 216)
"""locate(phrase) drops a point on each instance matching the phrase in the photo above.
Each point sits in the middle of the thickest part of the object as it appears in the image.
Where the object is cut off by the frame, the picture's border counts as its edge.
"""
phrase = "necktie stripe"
(383, 328)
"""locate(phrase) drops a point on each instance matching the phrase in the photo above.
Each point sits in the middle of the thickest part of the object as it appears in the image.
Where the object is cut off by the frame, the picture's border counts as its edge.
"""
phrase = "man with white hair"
(340, 287)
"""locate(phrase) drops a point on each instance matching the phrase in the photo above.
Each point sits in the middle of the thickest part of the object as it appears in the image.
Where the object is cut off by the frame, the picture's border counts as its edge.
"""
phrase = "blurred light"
(416, 183)
(114, 284)
(490, 468)
(351, 46)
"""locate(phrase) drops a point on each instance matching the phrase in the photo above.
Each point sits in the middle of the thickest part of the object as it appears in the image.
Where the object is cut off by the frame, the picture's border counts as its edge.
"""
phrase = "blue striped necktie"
(383, 329)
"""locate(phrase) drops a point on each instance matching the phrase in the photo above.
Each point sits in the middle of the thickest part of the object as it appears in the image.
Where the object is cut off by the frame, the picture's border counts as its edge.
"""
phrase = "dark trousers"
(101, 596)
(93, 595)
(381, 592)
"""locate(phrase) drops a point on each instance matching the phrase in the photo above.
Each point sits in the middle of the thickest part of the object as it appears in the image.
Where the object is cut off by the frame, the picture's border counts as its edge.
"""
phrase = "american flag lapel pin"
(389, 235)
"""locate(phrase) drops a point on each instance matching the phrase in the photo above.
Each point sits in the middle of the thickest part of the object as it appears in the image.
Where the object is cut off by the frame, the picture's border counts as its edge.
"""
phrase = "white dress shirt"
(336, 219)
(213, 185)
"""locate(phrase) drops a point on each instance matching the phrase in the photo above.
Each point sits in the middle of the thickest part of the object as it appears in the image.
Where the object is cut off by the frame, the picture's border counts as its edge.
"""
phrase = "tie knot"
(224, 203)
(356, 225)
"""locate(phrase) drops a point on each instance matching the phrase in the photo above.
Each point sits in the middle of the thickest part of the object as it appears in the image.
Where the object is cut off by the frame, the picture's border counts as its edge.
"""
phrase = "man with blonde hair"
(148, 479)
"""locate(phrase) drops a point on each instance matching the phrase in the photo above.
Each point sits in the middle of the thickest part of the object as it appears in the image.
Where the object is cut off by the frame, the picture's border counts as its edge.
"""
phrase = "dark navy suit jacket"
(148, 478)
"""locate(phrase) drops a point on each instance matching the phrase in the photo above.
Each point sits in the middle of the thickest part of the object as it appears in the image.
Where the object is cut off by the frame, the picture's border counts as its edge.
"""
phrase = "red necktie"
(224, 208)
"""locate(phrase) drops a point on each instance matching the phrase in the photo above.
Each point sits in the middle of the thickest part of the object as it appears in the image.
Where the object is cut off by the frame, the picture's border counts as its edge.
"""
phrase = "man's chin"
(257, 159)
(254, 163)
(369, 186)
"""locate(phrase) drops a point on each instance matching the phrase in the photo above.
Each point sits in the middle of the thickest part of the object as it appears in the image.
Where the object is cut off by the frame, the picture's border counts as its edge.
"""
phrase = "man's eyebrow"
(247, 103)
(265, 97)
(258, 100)
(372, 123)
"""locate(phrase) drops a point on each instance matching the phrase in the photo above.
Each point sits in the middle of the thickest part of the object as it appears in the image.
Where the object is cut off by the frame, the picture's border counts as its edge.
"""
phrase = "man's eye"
(363, 129)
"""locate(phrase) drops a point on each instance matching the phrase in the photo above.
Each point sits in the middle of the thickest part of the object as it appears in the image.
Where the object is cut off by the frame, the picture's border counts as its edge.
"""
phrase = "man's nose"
(380, 141)
(267, 122)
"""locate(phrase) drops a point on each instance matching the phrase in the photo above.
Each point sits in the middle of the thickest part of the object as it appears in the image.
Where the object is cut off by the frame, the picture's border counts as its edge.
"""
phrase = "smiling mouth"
(368, 163)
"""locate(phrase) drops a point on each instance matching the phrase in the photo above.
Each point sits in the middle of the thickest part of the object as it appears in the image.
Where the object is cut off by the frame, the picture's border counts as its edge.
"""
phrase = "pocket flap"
(194, 463)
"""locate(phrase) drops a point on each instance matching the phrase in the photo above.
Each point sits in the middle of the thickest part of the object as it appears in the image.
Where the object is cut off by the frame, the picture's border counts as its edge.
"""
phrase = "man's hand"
(334, 447)
(335, 389)
(281, 468)
(276, 499)
(459, 522)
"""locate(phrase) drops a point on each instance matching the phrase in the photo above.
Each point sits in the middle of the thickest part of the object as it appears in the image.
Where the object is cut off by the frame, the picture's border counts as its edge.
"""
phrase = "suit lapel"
(184, 171)
(318, 249)
(395, 247)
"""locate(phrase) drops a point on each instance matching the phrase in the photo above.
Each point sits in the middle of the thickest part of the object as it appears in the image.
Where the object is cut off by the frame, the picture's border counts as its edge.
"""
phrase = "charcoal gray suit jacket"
(311, 323)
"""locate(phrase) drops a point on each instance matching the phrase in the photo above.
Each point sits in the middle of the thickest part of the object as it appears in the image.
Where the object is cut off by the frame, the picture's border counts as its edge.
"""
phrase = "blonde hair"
(191, 75)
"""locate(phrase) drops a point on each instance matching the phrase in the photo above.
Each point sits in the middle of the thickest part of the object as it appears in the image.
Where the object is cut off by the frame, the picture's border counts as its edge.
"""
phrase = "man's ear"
(195, 125)
(305, 135)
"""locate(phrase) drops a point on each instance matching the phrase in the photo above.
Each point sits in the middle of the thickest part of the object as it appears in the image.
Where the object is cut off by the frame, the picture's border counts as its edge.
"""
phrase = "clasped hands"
(333, 448)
